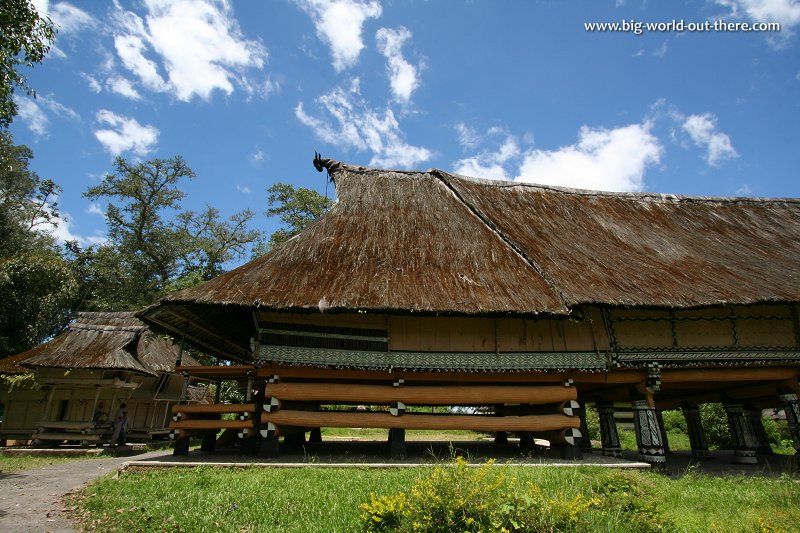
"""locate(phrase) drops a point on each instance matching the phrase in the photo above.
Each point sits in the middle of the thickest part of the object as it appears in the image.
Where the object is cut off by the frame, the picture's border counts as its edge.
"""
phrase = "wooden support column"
(181, 446)
(648, 432)
(609, 437)
(209, 442)
(501, 437)
(694, 426)
(664, 439)
(586, 441)
(753, 417)
(526, 443)
(185, 389)
(742, 438)
(791, 406)
(315, 436)
(397, 443)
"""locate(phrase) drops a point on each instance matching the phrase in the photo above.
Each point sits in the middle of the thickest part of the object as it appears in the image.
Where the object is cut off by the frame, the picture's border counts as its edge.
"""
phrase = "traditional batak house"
(431, 289)
(78, 381)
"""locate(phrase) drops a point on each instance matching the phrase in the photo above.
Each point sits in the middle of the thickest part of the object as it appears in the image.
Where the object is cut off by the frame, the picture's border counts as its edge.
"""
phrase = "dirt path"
(30, 501)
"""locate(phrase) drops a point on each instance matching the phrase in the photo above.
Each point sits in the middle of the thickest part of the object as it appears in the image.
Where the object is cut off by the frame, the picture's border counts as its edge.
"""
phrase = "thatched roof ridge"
(106, 341)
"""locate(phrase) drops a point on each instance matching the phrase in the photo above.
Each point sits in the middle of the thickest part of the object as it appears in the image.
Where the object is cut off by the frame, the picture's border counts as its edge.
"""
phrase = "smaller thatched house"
(70, 388)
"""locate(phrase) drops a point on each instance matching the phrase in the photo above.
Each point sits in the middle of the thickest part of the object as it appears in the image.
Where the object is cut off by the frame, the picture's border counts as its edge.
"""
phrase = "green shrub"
(466, 499)
(674, 420)
(715, 424)
(592, 422)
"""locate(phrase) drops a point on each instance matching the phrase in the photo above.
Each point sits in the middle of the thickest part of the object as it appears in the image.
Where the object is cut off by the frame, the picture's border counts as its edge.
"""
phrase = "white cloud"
(186, 47)
(403, 76)
(491, 164)
(602, 159)
(35, 113)
(124, 134)
(702, 130)
(30, 112)
(70, 19)
(95, 209)
(243, 189)
(257, 157)
(339, 24)
(60, 228)
(786, 12)
(467, 136)
(124, 87)
(356, 125)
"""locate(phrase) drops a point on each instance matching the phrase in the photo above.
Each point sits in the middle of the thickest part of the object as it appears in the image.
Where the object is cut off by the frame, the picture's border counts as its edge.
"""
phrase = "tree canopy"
(296, 208)
(37, 286)
(154, 245)
(25, 39)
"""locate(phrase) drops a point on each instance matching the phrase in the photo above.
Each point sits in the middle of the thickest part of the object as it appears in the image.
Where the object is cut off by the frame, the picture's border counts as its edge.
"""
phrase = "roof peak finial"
(326, 163)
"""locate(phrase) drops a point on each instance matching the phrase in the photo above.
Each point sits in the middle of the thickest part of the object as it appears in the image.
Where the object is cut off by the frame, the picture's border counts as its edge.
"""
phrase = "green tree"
(25, 38)
(37, 287)
(154, 246)
(296, 208)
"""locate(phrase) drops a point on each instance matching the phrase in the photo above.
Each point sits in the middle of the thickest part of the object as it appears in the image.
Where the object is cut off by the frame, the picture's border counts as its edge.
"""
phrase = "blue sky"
(246, 91)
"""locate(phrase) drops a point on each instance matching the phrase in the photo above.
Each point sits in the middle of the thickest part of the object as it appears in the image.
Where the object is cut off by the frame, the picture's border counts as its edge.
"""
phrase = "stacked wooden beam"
(190, 420)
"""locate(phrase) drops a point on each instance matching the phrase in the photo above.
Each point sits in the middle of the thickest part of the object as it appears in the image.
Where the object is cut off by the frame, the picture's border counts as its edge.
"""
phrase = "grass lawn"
(315, 499)
(17, 463)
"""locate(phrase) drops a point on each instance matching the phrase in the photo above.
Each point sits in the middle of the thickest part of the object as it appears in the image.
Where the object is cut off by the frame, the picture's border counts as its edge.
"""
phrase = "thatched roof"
(106, 341)
(433, 242)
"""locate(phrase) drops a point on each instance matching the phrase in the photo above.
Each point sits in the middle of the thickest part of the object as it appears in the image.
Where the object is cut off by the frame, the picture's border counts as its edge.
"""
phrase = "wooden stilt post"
(791, 406)
(742, 438)
(315, 436)
(586, 442)
(753, 417)
(609, 437)
(648, 432)
(501, 437)
(397, 443)
(526, 443)
(694, 426)
(664, 439)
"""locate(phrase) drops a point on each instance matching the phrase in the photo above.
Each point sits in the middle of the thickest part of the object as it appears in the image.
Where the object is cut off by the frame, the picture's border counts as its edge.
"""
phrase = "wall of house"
(149, 405)
(739, 327)
(408, 333)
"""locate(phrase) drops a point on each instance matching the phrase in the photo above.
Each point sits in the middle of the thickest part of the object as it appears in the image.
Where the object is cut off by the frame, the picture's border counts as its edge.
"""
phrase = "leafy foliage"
(464, 498)
(154, 246)
(25, 39)
(297, 208)
(35, 280)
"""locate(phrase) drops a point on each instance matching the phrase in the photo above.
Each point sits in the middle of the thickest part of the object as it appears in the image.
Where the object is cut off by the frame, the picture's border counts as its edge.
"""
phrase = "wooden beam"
(215, 408)
(616, 376)
(421, 395)
(312, 419)
(223, 372)
(730, 374)
(210, 424)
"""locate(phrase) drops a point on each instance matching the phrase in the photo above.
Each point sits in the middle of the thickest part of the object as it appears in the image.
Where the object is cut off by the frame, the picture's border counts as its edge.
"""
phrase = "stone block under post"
(397, 443)
(742, 438)
(791, 406)
(697, 434)
(609, 437)
(648, 432)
